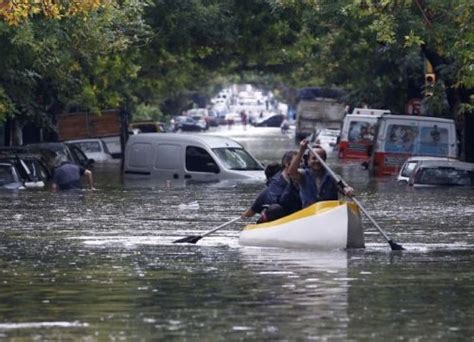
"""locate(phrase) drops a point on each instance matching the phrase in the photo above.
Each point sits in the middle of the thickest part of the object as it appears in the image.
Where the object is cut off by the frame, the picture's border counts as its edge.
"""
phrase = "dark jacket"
(310, 193)
(279, 191)
(68, 176)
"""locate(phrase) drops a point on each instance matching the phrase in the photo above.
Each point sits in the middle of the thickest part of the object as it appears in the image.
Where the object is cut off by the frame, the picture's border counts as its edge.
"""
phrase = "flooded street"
(102, 265)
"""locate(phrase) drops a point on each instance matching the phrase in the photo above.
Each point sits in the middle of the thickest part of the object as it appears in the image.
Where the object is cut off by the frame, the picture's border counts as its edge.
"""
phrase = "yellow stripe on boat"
(323, 225)
(316, 208)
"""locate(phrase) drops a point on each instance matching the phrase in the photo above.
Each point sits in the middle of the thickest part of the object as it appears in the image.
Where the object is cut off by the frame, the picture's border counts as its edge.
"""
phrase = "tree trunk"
(17, 134)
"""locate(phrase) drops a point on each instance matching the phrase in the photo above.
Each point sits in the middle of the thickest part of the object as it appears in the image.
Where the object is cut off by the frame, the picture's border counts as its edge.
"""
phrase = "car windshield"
(7, 175)
(89, 146)
(329, 133)
(237, 159)
(444, 176)
(408, 169)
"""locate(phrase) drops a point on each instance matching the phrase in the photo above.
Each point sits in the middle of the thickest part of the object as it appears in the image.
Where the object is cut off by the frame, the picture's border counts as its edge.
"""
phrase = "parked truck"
(318, 108)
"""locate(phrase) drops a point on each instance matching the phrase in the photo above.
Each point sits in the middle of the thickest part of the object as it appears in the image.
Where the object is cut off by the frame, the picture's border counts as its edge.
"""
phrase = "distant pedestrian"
(243, 119)
(67, 175)
(285, 126)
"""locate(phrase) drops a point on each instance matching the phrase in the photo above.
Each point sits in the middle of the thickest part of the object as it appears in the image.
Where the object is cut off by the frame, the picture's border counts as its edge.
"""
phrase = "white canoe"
(323, 225)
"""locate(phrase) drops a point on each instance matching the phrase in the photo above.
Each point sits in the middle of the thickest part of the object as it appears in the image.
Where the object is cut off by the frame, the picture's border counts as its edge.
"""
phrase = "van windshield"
(237, 159)
(360, 130)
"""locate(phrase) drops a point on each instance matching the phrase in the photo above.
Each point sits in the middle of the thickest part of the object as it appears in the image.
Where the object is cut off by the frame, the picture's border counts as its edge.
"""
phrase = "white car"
(326, 137)
(411, 163)
(94, 149)
(452, 172)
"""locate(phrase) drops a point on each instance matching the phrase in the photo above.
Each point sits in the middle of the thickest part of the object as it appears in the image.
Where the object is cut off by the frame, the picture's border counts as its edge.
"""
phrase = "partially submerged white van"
(195, 157)
(357, 134)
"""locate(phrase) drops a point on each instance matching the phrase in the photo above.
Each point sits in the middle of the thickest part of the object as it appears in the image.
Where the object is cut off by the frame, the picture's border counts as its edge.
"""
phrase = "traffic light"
(430, 80)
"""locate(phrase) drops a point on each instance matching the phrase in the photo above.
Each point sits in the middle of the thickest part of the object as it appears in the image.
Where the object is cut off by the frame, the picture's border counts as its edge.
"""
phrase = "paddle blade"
(189, 239)
(395, 246)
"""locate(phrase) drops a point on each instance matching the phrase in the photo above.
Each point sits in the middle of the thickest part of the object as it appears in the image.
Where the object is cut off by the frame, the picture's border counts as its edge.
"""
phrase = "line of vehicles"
(381, 140)
(31, 166)
(387, 144)
(419, 150)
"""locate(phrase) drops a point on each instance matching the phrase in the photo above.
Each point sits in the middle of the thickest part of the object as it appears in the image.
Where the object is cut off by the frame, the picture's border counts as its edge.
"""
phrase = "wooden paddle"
(196, 238)
(340, 182)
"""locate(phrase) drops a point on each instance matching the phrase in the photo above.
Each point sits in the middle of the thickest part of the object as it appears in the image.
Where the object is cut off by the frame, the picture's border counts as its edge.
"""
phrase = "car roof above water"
(453, 163)
(415, 118)
(213, 141)
(427, 158)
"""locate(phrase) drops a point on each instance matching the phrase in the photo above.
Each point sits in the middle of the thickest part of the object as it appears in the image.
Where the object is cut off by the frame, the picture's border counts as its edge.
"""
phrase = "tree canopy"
(90, 55)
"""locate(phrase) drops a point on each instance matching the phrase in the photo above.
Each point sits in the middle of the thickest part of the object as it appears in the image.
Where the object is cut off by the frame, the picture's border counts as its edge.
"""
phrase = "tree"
(78, 59)
(375, 48)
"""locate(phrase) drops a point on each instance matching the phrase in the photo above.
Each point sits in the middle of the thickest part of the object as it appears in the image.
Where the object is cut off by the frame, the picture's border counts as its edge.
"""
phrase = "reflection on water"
(102, 265)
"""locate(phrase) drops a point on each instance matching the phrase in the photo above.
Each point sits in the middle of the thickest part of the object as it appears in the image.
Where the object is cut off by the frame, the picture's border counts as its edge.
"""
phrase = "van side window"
(434, 141)
(401, 138)
(140, 155)
(199, 160)
(167, 157)
(361, 131)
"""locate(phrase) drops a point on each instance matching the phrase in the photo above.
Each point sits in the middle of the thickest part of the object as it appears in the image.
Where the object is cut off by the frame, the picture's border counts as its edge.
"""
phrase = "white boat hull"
(324, 225)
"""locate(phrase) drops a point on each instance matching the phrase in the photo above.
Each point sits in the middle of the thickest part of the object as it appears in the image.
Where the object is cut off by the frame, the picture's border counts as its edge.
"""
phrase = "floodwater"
(102, 266)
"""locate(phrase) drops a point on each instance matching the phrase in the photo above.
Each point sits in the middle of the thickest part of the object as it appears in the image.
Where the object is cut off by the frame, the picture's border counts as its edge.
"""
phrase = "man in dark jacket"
(280, 197)
(67, 175)
(315, 183)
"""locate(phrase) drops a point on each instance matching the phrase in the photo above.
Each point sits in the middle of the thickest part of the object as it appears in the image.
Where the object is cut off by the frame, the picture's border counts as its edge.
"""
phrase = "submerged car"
(203, 116)
(442, 173)
(273, 120)
(411, 163)
(9, 177)
(191, 157)
(326, 137)
(94, 149)
(31, 168)
(72, 152)
(187, 124)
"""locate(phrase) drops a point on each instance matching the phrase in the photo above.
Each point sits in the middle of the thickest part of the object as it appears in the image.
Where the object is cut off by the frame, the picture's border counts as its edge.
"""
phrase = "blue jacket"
(68, 176)
(278, 191)
(310, 193)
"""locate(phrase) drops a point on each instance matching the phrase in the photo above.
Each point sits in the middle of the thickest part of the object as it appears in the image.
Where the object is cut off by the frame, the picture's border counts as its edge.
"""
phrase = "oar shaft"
(221, 226)
(370, 218)
(341, 183)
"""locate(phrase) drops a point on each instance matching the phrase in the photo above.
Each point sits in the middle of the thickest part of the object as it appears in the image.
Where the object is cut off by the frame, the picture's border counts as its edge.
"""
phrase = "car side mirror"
(90, 162)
